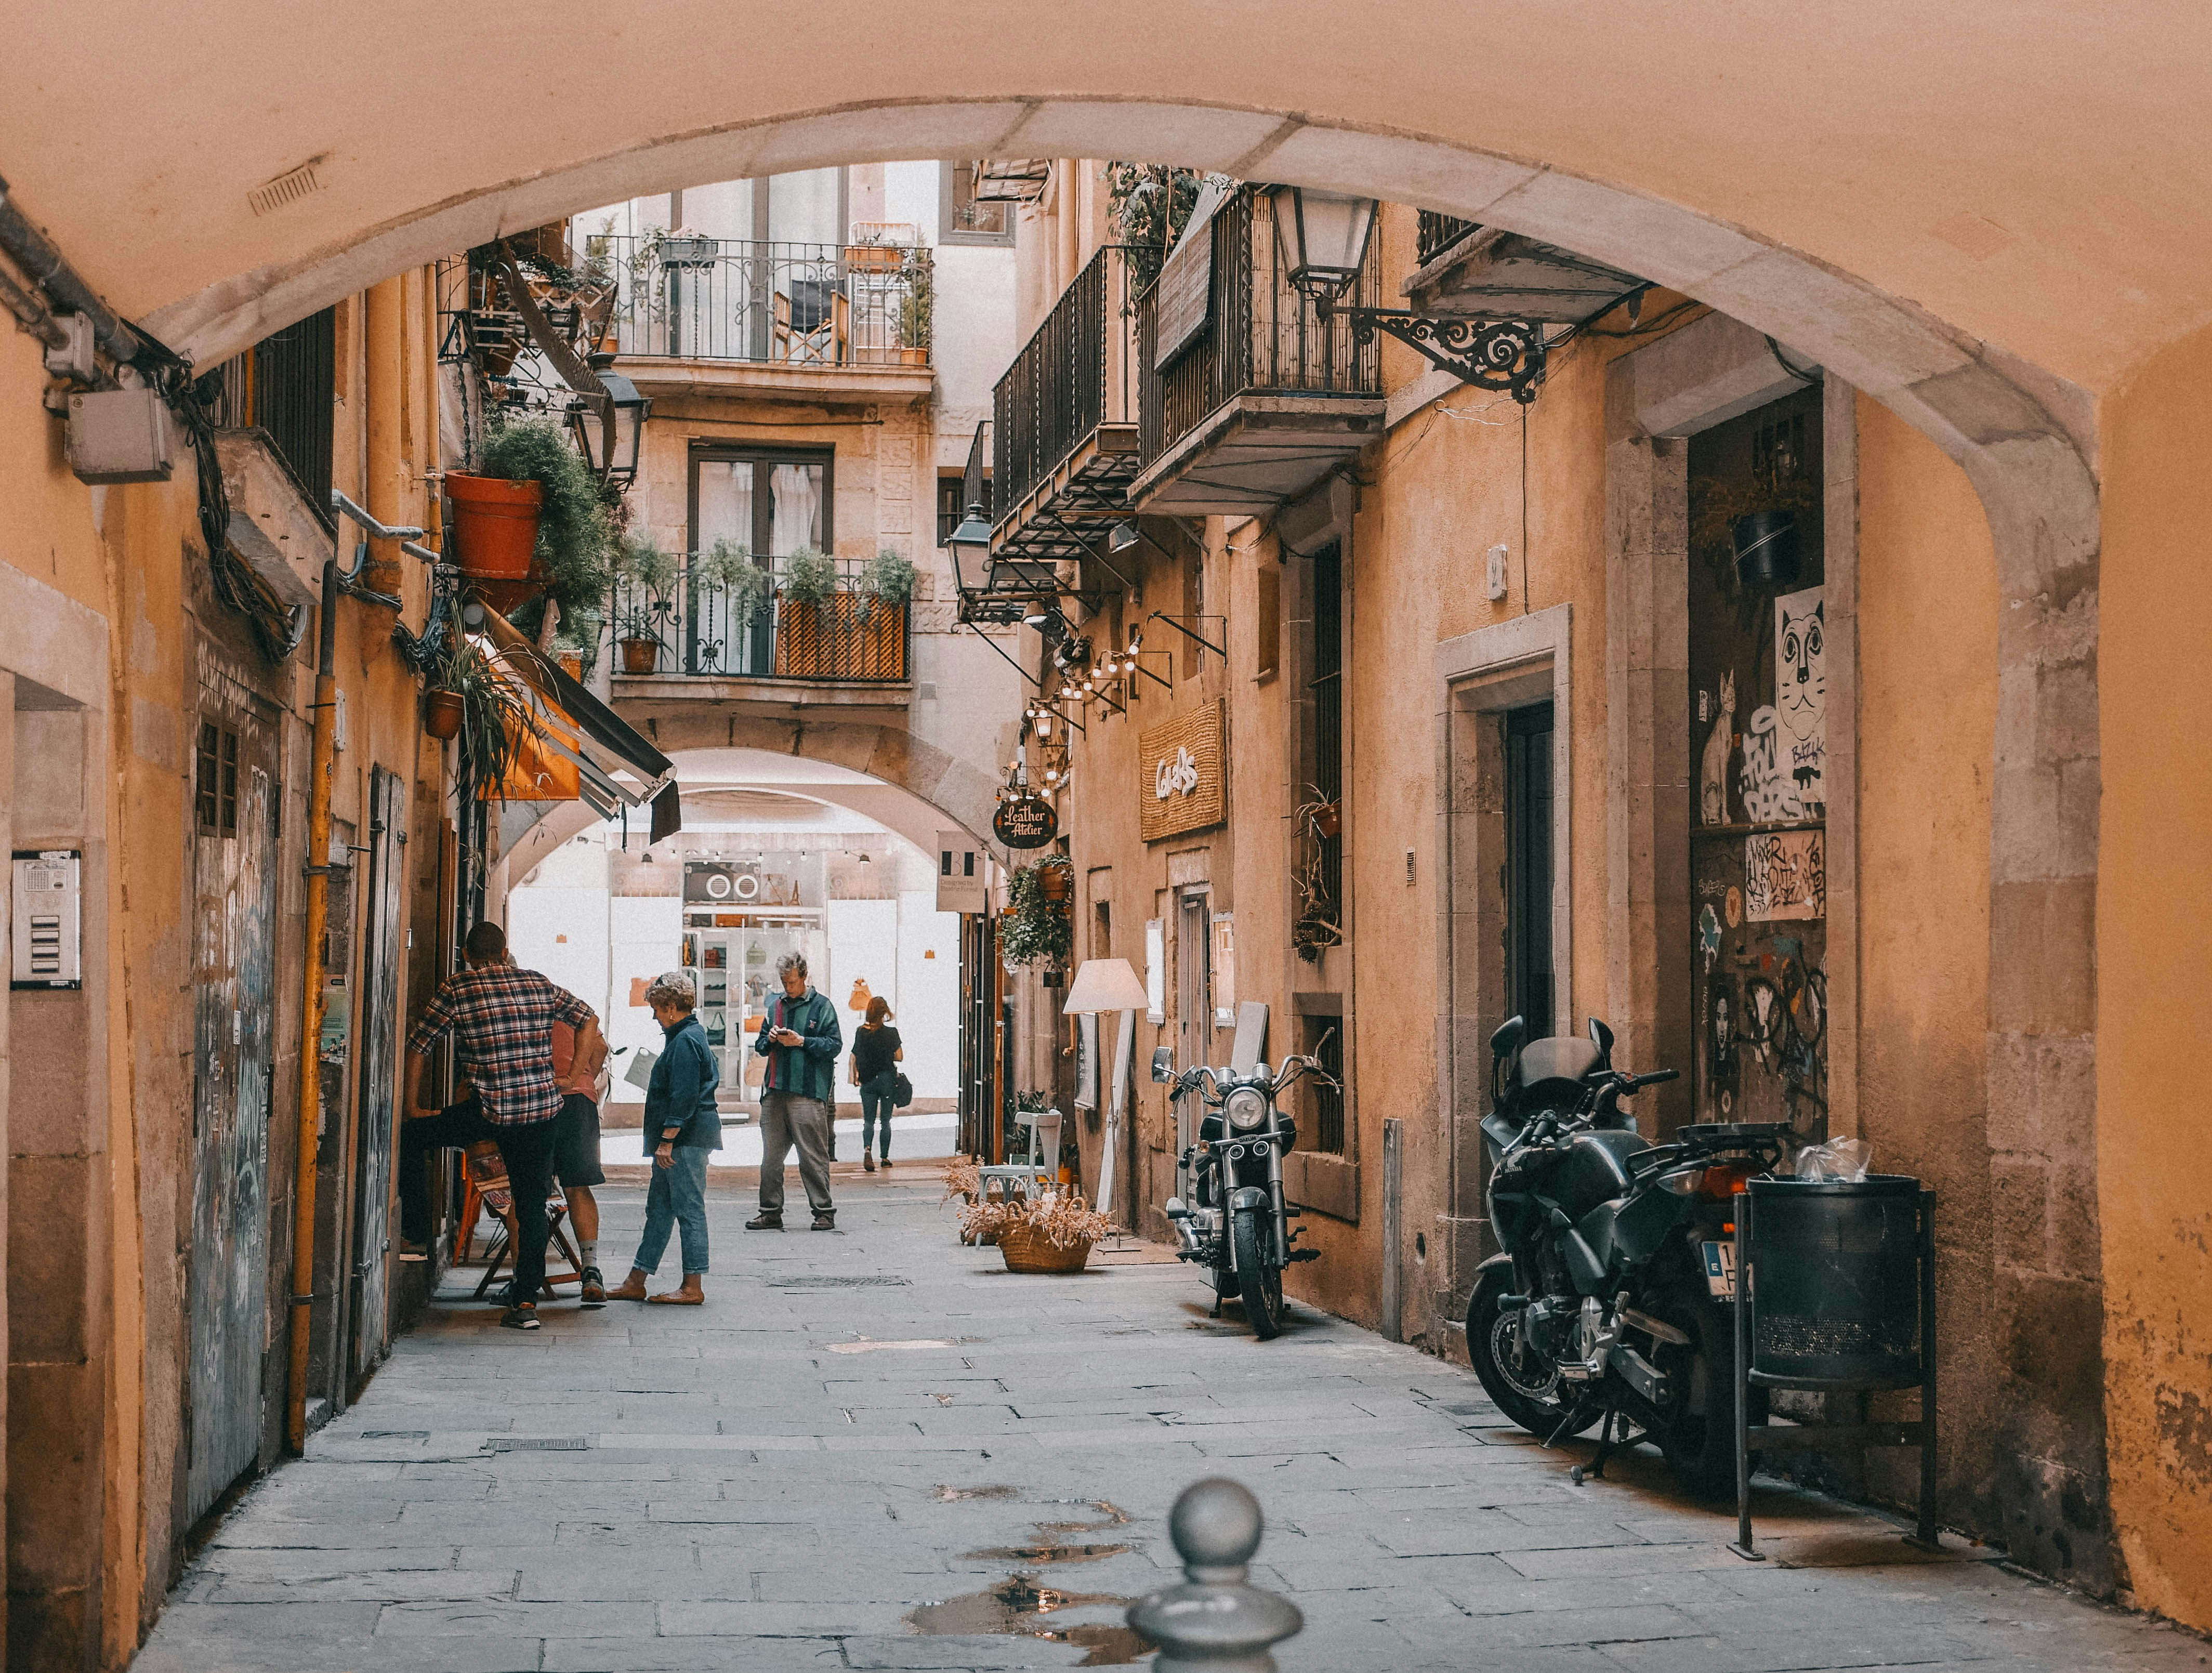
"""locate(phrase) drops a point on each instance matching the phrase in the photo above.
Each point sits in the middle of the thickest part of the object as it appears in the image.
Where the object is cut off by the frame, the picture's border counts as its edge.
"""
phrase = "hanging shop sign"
(1026, 820)
(1182, 773)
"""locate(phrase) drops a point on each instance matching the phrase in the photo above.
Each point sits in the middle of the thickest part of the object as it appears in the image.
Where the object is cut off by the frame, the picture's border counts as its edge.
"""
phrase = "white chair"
(1039, 1172)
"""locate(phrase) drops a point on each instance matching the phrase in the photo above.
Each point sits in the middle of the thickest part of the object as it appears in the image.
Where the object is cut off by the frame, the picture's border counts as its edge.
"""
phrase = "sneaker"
(765, 1223)
(823, 1223)
(867, 1162)
(523, 1318)
(887, 1161)
(594, 1293)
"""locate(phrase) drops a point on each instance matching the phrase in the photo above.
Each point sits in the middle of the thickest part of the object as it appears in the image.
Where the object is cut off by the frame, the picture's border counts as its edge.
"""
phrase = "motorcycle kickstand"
(1614, 1436)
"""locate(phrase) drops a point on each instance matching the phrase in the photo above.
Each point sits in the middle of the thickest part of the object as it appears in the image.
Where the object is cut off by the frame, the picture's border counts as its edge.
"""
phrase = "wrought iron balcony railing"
(1259, 336)
(716, 627)
(1437, 234)
(825, 305)
(1073, 375)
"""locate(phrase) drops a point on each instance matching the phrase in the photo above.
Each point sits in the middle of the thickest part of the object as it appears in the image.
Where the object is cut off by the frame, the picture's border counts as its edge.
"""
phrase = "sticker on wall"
(1785, 876)
(1732, 905)
(1709, 935)
(1720, 744)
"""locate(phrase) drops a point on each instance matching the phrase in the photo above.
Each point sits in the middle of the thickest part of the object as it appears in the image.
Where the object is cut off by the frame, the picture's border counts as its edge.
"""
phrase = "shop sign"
(1025, 822)
(1182, 770)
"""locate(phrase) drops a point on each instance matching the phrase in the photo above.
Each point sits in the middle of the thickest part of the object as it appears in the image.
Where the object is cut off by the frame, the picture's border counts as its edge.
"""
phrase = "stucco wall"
(2153, 949)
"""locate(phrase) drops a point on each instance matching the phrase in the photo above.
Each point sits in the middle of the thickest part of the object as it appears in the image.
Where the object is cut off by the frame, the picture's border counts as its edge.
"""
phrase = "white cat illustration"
(1800, 695)
(1712, 770)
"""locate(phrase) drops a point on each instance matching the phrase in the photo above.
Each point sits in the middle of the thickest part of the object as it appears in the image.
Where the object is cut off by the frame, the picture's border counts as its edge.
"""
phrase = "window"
(964, 218)
(952, 502)
(285, 386)
(1326, 659)
(216, 783)
(1324, 1037)
(771, 501)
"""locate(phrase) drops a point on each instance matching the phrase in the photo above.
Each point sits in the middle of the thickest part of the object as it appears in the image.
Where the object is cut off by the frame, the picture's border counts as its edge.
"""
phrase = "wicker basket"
(1025, 1251)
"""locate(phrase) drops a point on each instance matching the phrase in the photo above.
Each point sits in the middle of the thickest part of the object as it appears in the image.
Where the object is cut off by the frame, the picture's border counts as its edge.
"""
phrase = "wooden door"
(383, 955)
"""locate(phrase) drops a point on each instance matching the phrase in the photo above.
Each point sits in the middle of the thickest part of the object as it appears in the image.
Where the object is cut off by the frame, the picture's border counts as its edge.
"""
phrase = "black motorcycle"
(1611, 1301)
(1228, 1212)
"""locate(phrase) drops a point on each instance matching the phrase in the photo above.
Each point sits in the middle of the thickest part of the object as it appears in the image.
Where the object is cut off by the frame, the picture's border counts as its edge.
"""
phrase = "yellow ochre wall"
(2154, 957)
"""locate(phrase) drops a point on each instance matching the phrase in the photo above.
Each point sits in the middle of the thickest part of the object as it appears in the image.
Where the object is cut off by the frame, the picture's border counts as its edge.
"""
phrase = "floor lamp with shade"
(1103, 985)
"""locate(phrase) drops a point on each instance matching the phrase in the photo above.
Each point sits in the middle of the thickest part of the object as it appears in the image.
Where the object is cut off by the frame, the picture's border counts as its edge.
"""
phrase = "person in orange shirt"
(582, 1079)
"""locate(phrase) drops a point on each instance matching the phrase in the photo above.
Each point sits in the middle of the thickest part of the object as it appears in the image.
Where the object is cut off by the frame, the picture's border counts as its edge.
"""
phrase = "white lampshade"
(1104, 984)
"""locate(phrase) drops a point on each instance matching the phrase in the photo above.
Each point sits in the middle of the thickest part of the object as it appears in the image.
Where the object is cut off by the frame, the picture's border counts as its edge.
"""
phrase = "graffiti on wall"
(1712, 771)
(1786, 875)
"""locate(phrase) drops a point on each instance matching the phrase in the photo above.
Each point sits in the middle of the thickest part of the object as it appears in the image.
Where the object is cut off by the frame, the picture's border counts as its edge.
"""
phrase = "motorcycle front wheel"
(1521, 1382)
(1259, 1280)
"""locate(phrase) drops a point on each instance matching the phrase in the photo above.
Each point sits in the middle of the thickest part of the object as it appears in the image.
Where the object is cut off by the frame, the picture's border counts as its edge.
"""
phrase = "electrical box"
(75, 359)
(119, 435)
(48, 904)
(1498, 584)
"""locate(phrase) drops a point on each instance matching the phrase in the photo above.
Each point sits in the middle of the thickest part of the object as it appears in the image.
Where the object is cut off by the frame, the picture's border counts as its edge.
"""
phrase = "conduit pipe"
(311, 1002)
(385, 489)
(46, 268)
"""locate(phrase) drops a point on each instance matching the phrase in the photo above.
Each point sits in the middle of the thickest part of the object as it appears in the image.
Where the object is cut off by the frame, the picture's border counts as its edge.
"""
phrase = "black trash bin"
(1837, 1295)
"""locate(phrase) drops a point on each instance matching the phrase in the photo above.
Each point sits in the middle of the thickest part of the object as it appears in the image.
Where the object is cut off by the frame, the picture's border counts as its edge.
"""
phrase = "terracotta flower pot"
(640, 656)
(494, 525)
(441, 713)
(1055, 881)
(572, 664)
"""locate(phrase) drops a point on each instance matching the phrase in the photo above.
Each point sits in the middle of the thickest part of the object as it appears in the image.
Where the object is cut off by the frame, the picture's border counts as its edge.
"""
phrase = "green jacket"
(809, 1069)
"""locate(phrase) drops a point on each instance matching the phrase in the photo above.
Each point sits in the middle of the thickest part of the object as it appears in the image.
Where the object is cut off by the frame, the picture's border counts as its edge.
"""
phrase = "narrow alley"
(879, 1450)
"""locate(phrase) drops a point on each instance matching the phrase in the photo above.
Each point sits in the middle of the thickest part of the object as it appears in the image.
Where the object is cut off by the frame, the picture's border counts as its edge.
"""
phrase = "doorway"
(1193, 999)
(1529, 861)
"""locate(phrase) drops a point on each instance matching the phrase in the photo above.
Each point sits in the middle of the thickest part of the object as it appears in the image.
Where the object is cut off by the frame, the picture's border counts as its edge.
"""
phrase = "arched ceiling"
(2029, 173)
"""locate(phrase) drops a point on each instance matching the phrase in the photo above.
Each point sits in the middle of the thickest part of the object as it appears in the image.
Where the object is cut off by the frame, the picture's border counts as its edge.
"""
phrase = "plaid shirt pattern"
(502, 1018)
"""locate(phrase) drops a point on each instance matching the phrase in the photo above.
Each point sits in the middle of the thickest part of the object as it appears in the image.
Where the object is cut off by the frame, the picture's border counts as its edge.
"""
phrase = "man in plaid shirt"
(502, 1017)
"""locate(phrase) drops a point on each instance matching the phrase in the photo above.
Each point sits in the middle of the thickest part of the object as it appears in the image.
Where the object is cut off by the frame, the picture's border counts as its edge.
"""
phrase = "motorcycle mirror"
(1602, 1036)
(1164, 1064)
(1507, 1040)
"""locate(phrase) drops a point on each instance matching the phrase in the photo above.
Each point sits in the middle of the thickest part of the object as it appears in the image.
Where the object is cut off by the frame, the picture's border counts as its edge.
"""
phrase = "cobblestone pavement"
(877, 1450)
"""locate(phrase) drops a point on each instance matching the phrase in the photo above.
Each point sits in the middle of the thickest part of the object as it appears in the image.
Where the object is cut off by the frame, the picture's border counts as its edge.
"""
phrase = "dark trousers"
(527, 1152)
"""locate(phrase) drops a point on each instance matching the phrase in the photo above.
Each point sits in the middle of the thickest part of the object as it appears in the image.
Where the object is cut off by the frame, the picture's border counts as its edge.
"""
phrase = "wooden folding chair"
(488, 1188)
(812, 331)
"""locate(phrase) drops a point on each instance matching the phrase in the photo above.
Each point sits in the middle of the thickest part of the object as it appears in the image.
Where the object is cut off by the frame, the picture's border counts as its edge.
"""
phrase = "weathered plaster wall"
(2154, 948)
(1928, 612)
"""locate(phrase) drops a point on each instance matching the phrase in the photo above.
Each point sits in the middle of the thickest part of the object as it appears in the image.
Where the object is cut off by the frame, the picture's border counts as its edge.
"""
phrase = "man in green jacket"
(800, 1038)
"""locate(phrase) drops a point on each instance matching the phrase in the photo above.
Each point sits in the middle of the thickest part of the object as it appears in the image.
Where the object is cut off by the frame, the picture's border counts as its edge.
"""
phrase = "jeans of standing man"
(788, 1119)
(876, 1106)
(456, 1127)
(676, 1198)
(527, 1151)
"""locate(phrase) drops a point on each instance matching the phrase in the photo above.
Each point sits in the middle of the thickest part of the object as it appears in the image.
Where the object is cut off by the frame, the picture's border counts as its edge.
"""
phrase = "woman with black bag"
(876, 1053)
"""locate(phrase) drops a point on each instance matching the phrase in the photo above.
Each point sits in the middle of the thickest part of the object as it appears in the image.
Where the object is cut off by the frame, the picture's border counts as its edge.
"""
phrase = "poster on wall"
(1155, 969)
(1786, 875)
(1086, 1061)
(1223, 972)
(1786, 748)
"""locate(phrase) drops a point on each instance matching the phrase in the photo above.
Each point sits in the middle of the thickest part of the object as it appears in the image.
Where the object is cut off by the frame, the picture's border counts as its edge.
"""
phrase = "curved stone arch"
(2027, 439)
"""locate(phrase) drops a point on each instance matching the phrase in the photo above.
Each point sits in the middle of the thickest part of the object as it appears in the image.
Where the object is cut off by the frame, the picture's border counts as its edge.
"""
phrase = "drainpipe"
(46, 268)
(386, 325)
(311, 1002)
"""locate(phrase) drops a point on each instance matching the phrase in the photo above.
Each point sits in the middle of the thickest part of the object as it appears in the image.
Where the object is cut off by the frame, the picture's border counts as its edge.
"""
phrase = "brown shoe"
(825, 1222)
(765, 1222)
(867, 1161)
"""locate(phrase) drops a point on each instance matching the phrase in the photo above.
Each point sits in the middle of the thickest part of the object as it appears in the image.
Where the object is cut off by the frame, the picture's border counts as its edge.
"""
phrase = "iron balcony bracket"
(1502, 355)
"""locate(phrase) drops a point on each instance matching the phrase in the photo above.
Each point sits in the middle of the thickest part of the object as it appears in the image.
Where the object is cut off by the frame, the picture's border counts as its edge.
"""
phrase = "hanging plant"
(917, 307)
(1034, 926)
(572, 534)
(750, 589)
(810, 576)
(890, 577)
(1148, 205)
(496, 715)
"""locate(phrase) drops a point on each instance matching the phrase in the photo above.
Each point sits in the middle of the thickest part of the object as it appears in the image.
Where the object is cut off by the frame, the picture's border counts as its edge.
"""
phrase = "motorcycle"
(1611, 1301)
(1228, 1211)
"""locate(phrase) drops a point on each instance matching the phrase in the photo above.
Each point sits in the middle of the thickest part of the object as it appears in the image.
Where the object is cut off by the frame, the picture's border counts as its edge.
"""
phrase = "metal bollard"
(1213, 1622)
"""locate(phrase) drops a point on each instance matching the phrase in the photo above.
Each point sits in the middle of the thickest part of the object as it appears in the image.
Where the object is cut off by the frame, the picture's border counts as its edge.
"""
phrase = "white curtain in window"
(726, 503)
(795, 494)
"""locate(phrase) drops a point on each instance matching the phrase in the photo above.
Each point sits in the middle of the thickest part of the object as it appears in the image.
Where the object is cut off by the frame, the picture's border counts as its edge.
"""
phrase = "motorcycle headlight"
(1246, 1107)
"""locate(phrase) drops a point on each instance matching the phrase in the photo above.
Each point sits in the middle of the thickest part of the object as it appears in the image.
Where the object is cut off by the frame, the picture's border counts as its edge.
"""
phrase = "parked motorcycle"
(1228, 1212)
(1611, 1301)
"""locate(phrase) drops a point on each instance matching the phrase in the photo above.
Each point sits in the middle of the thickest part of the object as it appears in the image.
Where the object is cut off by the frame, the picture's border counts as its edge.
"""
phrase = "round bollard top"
(1216, 1526)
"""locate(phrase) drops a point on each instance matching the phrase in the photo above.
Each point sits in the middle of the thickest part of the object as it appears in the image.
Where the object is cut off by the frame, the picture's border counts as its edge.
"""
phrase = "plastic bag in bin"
(1840, 1161)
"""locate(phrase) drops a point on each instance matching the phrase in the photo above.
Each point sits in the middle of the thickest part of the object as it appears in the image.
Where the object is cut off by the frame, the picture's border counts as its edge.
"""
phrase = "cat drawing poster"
(1801, 697)
(1712, 770)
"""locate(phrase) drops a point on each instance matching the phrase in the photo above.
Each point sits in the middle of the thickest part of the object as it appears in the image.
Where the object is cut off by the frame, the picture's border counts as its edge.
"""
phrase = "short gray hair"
(790, 962)
(673, 988)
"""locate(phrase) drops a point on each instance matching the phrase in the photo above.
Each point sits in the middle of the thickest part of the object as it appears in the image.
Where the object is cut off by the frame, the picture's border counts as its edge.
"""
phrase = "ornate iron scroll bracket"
(1503, 354)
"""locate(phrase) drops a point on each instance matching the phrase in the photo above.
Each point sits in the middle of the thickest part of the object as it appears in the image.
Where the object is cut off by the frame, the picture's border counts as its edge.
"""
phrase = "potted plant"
(810, 577)
(749, 588)
(1053, 1233)
(917, 307)
(1034, 926)
(494, 714)
(806, 638)
(648, 578)
(531, 520)
(888, 578)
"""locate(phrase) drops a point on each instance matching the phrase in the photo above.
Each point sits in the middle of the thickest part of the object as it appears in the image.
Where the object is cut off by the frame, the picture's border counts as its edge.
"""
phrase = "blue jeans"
(876, 1106)
(677, 1197)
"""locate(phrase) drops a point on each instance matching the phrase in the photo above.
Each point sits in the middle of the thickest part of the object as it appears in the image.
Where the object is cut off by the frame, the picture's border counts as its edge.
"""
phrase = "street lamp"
(1322, 237)
(970, 543)
(611, 448)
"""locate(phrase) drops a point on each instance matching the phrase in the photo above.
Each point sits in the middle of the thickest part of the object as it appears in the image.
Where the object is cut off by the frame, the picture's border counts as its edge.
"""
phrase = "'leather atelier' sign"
(1025, 822)
(1182, 773)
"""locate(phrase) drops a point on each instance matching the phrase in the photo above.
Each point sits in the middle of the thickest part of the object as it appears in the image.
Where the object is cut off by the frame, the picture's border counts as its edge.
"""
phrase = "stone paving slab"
(971, 1470)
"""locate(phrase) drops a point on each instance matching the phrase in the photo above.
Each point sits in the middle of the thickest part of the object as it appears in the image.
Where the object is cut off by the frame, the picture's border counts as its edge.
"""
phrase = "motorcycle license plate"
(1720, 1270)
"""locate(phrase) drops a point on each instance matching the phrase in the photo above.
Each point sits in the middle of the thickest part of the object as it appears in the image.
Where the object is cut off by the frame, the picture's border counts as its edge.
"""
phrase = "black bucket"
(1766, 550)
(1835, 1282)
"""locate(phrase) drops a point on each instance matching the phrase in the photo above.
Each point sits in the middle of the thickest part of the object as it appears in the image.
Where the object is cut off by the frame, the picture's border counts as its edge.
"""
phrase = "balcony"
(1264, 396)
(1484, 272)
(1064, 429)
(726, 313)
(708, 638)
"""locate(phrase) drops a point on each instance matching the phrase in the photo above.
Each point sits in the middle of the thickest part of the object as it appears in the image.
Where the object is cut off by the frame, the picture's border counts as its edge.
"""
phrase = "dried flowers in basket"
(1053, 1233)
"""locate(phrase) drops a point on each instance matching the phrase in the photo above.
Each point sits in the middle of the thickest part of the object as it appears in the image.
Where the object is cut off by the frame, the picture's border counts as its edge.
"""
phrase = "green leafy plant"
(1034, 926)
(890, 577)
(496, 714)
(917, 307)
(810, 576)
(649, 576)
(573, 533)
(1148, 205)
(750, 589)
